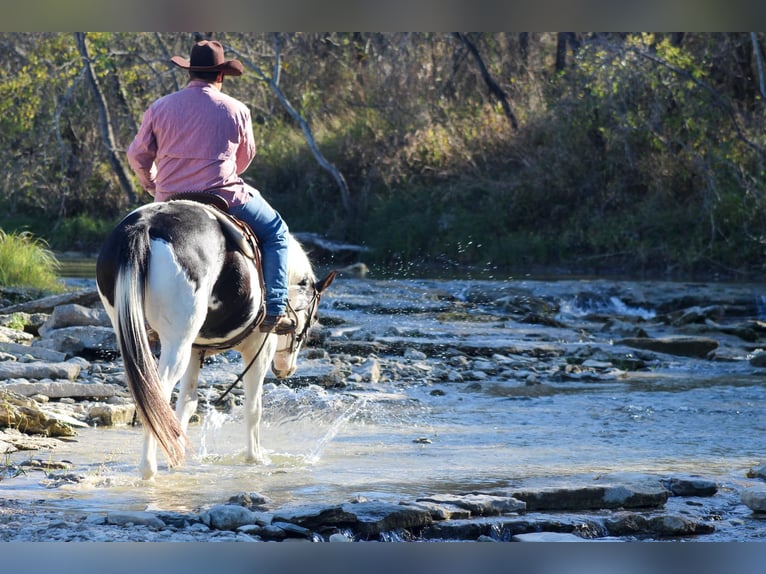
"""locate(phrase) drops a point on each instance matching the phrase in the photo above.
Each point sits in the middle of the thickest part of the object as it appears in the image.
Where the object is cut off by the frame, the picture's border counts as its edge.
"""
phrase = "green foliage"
(25, 261)
(84, 233)
(640, 154)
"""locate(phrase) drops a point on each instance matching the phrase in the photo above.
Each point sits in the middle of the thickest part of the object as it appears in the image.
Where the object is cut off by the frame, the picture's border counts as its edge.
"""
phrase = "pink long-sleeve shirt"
(195, 139)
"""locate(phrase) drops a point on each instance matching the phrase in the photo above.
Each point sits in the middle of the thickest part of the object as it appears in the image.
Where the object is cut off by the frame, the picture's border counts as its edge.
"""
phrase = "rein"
(295, 340)
(218, 401)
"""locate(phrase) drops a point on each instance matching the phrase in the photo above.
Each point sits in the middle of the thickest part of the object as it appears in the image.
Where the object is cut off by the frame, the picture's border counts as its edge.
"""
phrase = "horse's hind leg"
(175, 360)
(186, 403)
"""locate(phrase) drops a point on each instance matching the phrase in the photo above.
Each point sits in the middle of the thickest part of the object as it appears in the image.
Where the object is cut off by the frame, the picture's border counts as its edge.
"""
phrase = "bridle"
(296, 339)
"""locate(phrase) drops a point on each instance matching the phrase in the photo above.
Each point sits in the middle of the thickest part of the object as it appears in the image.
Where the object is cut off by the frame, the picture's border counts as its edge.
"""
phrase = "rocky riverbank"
(59, 371)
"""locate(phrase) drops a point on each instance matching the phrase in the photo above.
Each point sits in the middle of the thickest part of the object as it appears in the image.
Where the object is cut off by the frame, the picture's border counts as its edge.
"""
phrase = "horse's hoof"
(257, 459)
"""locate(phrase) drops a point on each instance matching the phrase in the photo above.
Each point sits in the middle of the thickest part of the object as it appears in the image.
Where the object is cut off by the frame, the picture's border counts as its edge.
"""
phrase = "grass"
(26, 261)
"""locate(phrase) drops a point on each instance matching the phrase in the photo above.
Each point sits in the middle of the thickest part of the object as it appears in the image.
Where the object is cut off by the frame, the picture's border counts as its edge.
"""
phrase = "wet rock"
(754, 497)
(641, 493)
(124, 518)
(690, 486)
(230, 517)
(316, 517)
(660, 526)
(677, 345)
(546, 537)
(757, 471)
(504, 528)
(367, 519)
(479, 504)
(442, 511)
(369, 370)
(251, 500)
(696, 314)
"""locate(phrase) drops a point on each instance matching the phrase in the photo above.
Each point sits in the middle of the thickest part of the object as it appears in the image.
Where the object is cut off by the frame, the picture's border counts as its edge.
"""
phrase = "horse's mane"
(298, 264)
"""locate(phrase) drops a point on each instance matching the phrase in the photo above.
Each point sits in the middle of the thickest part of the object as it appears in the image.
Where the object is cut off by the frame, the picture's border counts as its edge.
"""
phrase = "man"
(200, 139)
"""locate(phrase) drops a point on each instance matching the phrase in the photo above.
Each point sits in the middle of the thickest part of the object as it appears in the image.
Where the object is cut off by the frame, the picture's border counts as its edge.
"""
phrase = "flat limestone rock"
(60, 389)
(38, 370)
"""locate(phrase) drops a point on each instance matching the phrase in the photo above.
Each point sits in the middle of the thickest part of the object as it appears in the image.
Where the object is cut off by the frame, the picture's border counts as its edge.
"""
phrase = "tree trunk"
(345, 195)
(759, 62)
(493, 86)
(104, 121)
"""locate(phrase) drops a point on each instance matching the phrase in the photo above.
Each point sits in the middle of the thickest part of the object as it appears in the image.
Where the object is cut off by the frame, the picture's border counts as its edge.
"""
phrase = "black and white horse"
(169, 268)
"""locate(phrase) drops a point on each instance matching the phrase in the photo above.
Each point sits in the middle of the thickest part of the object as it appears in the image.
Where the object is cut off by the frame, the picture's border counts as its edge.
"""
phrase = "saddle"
(234, 229)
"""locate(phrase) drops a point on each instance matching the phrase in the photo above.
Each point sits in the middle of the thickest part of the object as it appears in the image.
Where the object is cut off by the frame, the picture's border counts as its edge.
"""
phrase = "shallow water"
(400, 441)
(330, 447)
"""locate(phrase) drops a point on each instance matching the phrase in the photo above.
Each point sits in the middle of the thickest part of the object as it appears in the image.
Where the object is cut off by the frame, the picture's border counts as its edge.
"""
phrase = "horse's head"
(302, 305)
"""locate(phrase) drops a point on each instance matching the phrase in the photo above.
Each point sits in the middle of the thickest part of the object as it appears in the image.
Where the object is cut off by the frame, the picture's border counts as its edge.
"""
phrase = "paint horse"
(174, 269)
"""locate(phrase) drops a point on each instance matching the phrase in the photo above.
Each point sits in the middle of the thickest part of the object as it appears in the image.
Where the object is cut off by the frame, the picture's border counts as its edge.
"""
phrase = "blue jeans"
(271, 232)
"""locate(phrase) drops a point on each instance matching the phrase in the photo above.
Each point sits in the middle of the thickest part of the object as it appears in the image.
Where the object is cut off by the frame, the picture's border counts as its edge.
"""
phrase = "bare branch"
(321, 160)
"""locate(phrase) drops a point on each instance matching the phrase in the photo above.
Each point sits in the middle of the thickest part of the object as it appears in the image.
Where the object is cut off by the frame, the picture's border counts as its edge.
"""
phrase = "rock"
(250, 500)
(442, 511)
(316, 516)
(754, 497)
(229, 517)
(367, 519)
(690, 486)
(479, 504)
(546, 537)
(660, 526)
(758, 471)
(39, 353)
(73, 340)
(627, 494)
(38, 370)
(374, 518)
(73, 315)
(369, 370)
(14, 335)
(758, 359)
(60, 389)
(25, 415)
(85, 297)
(414, 355)
(124, 518)
(6, 447)
(679, 345)
(110, 415)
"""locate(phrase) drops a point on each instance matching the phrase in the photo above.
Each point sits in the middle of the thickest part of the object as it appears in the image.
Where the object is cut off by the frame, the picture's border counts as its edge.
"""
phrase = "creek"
(406, 435)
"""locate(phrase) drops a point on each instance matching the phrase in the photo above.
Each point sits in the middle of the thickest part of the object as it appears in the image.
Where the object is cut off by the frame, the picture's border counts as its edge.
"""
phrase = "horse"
(173, 271)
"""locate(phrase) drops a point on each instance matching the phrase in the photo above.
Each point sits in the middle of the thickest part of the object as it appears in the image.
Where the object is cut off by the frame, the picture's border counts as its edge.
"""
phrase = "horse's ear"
(323, 284)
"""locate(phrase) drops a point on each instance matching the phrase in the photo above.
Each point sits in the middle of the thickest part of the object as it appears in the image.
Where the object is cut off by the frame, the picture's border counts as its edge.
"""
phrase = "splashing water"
(212, 421)
(335, 427)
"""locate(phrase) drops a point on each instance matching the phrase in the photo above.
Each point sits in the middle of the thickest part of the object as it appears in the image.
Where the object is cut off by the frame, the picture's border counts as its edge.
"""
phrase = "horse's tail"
(141, 372)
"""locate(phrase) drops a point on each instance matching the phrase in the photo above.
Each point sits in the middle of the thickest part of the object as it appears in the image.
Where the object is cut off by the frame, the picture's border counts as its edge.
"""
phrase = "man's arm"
(141, 154)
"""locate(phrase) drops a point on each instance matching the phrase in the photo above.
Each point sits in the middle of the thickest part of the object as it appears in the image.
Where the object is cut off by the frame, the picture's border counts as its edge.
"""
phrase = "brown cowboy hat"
(207, 56)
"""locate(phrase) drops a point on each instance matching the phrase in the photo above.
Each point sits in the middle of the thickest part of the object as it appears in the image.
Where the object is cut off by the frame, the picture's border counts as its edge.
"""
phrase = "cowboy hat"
(207, 56)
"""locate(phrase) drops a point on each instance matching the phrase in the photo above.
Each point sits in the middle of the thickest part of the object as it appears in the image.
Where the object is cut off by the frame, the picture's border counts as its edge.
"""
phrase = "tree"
(110, 145)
